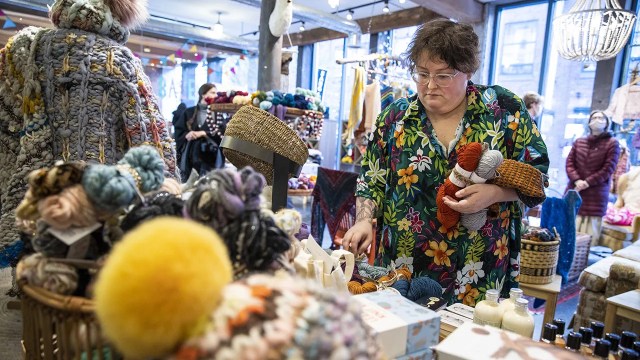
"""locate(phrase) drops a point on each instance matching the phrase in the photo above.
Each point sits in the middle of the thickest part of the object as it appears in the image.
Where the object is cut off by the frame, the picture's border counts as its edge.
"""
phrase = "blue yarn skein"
(403, 286)
(147, 162)
(423, 286)
(110, 188)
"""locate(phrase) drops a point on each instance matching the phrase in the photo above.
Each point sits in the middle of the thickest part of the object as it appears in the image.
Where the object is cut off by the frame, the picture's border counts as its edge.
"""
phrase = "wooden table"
(626, 305)
(548, 292)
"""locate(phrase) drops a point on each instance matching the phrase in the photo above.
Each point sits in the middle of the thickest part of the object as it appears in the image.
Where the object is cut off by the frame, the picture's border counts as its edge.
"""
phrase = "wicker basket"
(581, 256)
(538, 261)
(61, 327)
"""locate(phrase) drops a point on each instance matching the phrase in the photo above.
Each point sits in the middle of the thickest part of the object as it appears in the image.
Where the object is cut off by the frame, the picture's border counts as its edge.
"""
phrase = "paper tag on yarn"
(79, 249)
(73, 234)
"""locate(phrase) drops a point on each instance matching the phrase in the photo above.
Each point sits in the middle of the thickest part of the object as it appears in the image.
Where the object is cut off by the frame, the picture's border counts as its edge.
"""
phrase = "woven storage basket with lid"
(259, 127)
(538, 260)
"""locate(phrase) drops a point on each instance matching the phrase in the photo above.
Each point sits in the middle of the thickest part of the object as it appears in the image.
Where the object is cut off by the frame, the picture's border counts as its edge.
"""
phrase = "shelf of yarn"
(306, 123)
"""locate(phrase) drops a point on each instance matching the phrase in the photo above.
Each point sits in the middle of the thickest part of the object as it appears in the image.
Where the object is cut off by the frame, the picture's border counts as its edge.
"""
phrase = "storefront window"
(567, 103)
(326, 53)
(519, 47)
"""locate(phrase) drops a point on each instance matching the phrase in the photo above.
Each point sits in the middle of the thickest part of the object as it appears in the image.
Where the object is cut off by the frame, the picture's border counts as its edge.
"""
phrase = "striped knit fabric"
(386, 96)
(72, 93)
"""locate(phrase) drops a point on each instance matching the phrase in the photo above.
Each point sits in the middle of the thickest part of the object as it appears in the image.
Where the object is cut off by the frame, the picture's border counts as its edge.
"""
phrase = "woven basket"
(261, 128)
(538, 261)
(61, 327)
(581, 256)
(524, 177)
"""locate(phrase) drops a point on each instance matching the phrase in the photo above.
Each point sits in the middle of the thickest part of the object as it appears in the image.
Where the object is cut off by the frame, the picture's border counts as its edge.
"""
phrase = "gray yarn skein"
(489, 163)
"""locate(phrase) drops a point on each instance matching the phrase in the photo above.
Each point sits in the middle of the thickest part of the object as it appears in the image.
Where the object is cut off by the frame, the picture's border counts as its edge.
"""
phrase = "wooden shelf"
(292, 192)
(232, 108)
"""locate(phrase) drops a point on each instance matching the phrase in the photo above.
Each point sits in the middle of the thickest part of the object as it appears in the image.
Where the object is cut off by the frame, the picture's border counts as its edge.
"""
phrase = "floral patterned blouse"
(403, 167)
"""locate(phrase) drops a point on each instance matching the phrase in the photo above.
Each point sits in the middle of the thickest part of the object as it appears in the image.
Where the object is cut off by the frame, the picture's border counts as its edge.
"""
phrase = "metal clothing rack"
(365, 58)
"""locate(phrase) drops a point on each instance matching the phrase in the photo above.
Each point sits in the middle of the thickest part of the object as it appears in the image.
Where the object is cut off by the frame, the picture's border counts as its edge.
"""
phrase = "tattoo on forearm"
(365, 210)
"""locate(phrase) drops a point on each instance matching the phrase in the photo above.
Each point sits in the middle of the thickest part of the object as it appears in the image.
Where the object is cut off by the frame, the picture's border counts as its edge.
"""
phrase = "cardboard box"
(472, 341)
(402, 327)
(426, 354)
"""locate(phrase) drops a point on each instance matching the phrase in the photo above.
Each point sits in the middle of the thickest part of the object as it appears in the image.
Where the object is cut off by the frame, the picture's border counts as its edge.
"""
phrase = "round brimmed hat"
(251, 131)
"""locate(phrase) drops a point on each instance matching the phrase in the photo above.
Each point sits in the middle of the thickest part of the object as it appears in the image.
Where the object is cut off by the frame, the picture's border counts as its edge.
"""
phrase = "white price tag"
(73, 234)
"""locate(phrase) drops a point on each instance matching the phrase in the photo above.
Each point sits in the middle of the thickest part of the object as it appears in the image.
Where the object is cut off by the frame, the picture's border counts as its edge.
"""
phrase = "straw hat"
(259, 127)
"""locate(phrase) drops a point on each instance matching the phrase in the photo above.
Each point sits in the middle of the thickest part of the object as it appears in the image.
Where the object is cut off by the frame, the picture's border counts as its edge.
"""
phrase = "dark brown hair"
(441, 39)
(204, 88)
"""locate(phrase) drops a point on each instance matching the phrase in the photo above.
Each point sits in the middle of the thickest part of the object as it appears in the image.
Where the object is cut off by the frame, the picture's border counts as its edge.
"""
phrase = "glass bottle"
(601, 349)
(549, 334)
(628, 354)
(598, 332)
(560, 333)
(587, 335)
(510, 303)
(574, 340)
(487, 311)
(519, 320)
(614, 339)
(627, 339)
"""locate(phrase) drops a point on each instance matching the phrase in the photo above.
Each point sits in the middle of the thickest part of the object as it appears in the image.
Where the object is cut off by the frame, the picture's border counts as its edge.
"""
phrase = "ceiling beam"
(375, 24)
(469, 11)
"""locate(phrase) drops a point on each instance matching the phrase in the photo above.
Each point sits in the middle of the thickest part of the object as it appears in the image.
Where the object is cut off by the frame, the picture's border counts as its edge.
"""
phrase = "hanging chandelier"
(593, 30)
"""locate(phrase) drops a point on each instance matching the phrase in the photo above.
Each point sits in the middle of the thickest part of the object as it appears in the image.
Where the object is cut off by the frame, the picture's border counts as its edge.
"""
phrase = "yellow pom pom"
(159, 284)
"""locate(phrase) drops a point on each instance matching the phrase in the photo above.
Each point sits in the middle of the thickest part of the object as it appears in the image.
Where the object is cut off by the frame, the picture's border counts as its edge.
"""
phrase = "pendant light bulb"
(350, 15)
(385, 9)
(302, 26)
(218, 28)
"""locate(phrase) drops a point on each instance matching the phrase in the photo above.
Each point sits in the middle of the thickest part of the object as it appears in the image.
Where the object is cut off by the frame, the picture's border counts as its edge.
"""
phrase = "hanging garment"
(357, 99)
(625, 104)
(334, 203)
(561, 214)
(621, 168)
(372, 104)
(386, 96)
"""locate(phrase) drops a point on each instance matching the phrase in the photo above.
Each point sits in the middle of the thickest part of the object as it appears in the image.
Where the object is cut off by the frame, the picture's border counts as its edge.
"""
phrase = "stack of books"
(452, 317)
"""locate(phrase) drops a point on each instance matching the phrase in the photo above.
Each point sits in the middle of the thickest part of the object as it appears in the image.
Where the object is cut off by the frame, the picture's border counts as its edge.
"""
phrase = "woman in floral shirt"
(411, 150)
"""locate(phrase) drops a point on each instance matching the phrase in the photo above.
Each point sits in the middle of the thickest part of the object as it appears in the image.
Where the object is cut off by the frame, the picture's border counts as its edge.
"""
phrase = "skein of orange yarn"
(468, 159)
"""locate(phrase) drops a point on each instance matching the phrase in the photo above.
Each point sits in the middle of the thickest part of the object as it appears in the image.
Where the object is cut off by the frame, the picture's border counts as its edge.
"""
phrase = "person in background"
(177, 113)
(590, 165)
(533, 101)
(412, 147)
(199, 134)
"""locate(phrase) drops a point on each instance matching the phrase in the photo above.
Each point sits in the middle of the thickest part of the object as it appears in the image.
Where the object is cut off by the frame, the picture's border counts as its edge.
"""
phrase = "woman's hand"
(192, 135)
(479, 197)
(358, 238)
(581, 185)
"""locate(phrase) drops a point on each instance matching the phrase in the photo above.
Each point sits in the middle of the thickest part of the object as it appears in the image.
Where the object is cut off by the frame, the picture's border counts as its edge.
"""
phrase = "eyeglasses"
(442, 80)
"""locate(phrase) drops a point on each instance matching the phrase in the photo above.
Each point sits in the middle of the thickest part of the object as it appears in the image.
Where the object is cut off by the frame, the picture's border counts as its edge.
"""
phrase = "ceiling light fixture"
(385, 9)
(350, 15)
(147, 50)
(302, 26)
(401, 1)
(593, 30)
(218, 28)
(334, 3)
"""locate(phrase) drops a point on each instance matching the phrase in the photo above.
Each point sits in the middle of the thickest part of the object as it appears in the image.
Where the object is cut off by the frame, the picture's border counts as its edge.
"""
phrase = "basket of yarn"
(539, 251)
(57, 326)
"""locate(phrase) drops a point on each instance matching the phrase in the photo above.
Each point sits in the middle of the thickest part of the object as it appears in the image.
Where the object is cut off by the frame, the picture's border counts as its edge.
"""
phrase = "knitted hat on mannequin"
(112, 18)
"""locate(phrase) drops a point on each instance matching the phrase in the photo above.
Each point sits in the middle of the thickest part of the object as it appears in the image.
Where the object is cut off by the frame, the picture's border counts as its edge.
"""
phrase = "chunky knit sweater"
(71, 93)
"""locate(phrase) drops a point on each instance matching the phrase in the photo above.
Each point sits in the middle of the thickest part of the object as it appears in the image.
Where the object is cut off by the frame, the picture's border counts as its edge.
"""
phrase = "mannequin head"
(598, 122)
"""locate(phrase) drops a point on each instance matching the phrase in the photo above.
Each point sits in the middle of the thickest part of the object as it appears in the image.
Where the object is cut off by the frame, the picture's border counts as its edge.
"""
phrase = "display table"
(626, 305)
(305, 194)
(548, 292)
